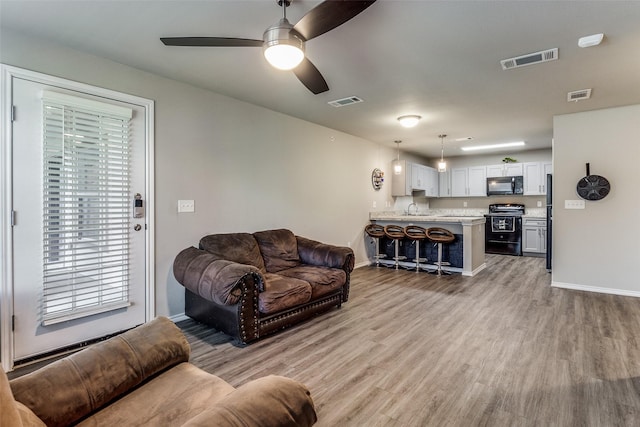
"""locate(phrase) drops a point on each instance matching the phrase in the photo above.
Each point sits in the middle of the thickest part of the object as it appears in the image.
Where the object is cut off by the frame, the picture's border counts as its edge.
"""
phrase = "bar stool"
(376, 231)
(417, 234)
(396, 233)
(439, 236)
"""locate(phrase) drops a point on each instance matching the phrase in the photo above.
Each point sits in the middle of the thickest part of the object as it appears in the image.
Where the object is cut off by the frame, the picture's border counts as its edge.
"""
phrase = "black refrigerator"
(549, 218)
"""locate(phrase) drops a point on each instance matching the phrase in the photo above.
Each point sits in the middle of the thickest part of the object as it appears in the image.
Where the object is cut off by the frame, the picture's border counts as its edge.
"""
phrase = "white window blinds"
(86, 207)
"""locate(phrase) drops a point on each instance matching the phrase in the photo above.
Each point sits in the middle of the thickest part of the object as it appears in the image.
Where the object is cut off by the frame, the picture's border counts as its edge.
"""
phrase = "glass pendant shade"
(397, 166)
(442, 166)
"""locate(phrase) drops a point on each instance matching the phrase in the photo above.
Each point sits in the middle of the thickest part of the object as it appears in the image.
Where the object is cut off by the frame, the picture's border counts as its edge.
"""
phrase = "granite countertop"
(462, 216)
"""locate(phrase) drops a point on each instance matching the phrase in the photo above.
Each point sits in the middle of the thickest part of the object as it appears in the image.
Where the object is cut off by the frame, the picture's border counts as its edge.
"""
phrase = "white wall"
(598, 248)
(246, 167)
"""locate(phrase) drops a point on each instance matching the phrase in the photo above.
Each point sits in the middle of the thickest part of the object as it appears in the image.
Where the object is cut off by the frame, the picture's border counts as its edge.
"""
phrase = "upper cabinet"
(535, 178)
(505, 169)
(415, 177)
(469, 182)
(444, 183)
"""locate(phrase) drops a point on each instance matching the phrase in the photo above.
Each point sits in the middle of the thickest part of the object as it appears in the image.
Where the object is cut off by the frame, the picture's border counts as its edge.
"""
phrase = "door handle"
(137, 227)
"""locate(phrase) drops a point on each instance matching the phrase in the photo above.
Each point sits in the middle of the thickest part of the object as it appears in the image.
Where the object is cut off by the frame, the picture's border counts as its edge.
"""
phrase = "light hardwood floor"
(502, 348)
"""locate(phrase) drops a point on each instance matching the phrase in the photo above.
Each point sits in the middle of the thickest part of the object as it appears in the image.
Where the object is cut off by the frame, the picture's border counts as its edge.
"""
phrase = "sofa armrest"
(213, 279)
(69, 389)
(317, 253)
(265, 402)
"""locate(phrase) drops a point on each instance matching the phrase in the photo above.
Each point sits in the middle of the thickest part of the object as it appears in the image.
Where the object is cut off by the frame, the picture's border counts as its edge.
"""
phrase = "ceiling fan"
(283, 44)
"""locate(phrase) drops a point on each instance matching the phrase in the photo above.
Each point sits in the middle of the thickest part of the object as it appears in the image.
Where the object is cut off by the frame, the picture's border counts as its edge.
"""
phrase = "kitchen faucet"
(409, 208)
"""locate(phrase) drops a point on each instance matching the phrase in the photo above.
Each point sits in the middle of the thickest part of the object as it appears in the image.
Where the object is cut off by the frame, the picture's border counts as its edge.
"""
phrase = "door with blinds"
(80, 223)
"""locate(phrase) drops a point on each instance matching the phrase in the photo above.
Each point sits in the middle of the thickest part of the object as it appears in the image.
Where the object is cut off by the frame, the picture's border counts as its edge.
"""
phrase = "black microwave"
(505, 186)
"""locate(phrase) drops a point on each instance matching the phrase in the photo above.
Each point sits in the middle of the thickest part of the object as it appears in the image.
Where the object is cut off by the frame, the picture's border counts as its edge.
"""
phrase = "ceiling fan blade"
(210, 42)
(309, 75)
(329, 15)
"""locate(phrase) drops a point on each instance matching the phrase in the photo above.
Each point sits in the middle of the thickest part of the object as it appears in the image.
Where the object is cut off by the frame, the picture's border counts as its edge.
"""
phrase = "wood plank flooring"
(502, 348)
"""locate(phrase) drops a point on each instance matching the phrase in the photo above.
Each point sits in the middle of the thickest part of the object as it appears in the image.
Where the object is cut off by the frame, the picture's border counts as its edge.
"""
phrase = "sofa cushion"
(279, 249)
(264, 402)
(237, 247)
(281, 293)
(323, 280)
(169, 399)
(71, 388)
(13, 413)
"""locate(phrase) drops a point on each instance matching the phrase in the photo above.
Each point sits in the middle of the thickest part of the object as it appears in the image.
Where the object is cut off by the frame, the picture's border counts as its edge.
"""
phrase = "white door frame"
(8, 73)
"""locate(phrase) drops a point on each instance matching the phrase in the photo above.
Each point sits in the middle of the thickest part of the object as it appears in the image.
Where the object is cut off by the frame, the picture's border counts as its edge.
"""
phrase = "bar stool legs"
(417, 234)
(396, 233)
(439, 236)
(376, 231)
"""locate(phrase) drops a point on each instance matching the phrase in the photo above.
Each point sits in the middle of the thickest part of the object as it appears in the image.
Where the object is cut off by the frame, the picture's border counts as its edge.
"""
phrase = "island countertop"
(468, 223)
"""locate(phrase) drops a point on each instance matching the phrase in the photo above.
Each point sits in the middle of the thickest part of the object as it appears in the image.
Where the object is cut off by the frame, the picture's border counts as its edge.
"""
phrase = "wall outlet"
(574, 204)
(374, 204)
(464, 204)
(539, 204)
(186, 206)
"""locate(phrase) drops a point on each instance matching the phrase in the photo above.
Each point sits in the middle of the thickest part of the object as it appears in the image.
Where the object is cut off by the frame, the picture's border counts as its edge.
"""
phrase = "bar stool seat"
(439, 236)
(395, 233)
(417, 234)
(376, 231)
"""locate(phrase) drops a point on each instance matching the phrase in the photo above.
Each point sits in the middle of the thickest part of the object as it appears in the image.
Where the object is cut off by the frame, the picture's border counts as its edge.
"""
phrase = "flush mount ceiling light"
(397, 166)
(409, 121)
(442, 165)
(492, 146)
(592, 40)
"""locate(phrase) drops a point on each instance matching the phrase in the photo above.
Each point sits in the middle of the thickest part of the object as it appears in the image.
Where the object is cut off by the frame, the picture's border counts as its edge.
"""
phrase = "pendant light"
(397, 166)
(442, 165)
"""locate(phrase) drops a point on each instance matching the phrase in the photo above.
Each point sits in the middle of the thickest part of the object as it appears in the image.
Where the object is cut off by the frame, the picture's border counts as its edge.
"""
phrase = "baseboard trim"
(476, 271)
(178, 317)
(362, 264)
(595, 289)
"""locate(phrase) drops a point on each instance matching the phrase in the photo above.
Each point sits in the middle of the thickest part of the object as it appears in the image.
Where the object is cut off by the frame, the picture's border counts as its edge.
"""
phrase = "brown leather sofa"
(252, 285)
(143, 377)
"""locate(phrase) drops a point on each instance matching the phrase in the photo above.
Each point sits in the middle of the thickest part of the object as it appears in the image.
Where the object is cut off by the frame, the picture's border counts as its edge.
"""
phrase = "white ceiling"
(437, 59)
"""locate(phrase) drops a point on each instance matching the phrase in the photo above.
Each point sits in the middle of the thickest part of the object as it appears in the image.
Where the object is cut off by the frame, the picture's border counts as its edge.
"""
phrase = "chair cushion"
(322, 279)
(170, 399)
(237, 247)
(281, 293)
(279, 249)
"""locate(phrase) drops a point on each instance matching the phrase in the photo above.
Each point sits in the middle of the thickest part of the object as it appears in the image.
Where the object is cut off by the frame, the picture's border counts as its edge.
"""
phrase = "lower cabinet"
(534, 235)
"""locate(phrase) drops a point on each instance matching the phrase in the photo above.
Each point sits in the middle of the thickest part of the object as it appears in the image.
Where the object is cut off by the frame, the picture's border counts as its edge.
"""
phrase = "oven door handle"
(513, 185)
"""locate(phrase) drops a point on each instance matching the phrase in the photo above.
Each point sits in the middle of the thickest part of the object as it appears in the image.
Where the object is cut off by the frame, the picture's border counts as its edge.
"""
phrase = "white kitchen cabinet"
(534, 235)
(401, 184)
(535, 178)
(469, 182)
(444, 183)
(431, 183)
(505, 169)
(414, 177)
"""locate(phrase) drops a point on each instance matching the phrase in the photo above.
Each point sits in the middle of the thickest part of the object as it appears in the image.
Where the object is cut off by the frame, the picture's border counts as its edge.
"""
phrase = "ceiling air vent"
(579, 95)
(530, 59)
(345, 101)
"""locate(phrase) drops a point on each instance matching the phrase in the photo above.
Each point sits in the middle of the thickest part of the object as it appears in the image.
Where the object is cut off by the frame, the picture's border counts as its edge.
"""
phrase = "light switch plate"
(186, 206)
(574, 204)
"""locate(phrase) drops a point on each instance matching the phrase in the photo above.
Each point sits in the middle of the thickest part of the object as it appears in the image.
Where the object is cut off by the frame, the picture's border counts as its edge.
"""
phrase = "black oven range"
(503, 229)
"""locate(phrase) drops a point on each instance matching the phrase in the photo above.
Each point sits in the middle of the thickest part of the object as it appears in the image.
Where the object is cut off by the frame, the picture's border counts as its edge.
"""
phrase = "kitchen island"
(470, 228)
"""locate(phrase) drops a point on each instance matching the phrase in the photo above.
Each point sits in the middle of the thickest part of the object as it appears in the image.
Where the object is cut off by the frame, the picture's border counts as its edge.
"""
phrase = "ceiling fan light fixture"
(409, 121)
(282, 47)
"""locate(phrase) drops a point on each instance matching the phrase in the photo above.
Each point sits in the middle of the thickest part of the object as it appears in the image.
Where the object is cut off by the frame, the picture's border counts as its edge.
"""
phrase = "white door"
(78, 254)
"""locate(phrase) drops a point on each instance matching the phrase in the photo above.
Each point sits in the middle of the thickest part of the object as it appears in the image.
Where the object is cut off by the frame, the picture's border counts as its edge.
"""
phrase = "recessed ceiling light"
(592, 40)
(409, 121)
(492, 146)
